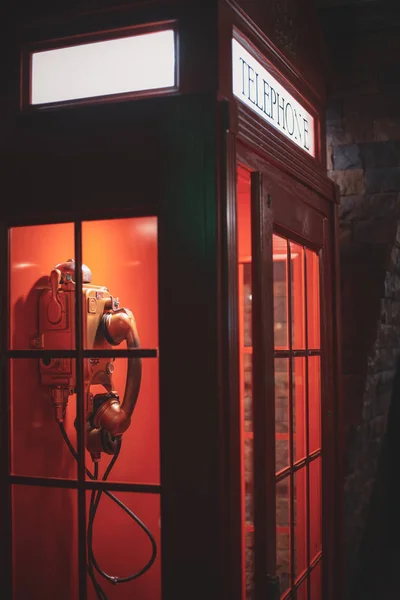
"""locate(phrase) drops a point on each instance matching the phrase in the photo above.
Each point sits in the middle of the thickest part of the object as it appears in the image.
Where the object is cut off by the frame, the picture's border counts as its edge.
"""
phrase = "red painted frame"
(284, 208)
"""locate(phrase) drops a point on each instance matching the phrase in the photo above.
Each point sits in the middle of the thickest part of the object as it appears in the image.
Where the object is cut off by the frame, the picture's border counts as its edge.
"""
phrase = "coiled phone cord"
(94, 504)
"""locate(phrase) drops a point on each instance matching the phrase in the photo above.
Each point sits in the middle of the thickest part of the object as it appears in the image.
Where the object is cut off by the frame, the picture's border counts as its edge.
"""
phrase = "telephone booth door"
(283, 286)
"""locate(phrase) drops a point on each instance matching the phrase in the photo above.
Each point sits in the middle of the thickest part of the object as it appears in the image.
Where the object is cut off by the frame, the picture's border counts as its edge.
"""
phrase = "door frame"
(307, 209)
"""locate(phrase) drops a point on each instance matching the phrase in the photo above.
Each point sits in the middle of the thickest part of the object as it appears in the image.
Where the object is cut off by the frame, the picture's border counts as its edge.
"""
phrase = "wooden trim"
(328, 414)
(307, 414)
(51, 20)
(100, 35)
(90, 100)
(339, 434)
(128, 353)
(138, 488)
(230, 484)
(291, 477)
(6, 566)
(80, 416)
(263, 388)
(258, 135)
(14, 219)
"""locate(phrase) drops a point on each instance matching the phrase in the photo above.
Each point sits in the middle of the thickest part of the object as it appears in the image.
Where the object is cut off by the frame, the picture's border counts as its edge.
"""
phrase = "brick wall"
(363, 147)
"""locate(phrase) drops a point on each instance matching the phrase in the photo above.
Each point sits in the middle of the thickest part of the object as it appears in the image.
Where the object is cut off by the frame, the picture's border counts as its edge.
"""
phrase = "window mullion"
(80, 412)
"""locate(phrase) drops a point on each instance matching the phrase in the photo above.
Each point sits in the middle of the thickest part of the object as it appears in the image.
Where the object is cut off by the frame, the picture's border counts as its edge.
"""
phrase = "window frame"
(81, 483)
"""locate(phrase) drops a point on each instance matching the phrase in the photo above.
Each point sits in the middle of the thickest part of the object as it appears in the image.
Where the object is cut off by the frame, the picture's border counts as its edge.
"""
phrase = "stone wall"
(363, 147)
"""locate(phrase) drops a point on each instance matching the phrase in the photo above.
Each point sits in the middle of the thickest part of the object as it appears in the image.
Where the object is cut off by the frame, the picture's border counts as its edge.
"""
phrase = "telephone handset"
(105, 325)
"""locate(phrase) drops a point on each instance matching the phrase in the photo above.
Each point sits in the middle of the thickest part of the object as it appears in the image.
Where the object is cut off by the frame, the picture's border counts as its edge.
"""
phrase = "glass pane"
(246, 371)
(44, 543)
(247, 305)
(299, 408)
(281, 452)
(298, 296)
(244, 214)
(249, 561)
(282, 412)
(124, 282)
(314, 402)
(315, 508)
(42, 311)
(122, 257)
(37, 394)
(121, 548)
(316, 582)
(313, 300)
(248, 480)
(280, 260)
(248, 391)
(283, 569)
(300, 521)
(302, 590)
(139, 456)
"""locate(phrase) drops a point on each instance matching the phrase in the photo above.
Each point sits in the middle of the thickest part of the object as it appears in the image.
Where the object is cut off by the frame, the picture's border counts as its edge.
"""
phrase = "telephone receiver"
(105, 325)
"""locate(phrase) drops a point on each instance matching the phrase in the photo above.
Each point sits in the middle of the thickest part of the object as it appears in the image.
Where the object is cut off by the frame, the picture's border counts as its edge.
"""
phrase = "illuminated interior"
(297, 346)
(122, 257)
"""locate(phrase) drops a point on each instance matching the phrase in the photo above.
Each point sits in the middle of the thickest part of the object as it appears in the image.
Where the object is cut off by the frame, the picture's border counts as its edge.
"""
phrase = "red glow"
(122, 255)
(296, 299)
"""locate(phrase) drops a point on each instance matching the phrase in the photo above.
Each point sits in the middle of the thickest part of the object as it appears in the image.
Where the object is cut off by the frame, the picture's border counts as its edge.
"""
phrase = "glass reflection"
(282, 413)
(283, 567)
(34, 252)
(249, 562)
(280, 260)
(315, 508)
(298, 296)
(139, 457)
(37, 446)
(316, 582)
(247, 305)
(245, 301)
(248, 479)
(300, 521)
(45, 543)
(313, 299)
(314, 402)
(248, 391)
(121, 548)
(299, 416)
(302, 590)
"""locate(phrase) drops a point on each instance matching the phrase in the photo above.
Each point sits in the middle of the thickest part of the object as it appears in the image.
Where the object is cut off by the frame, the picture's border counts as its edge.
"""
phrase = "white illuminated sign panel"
(117, 66)
(261, 92)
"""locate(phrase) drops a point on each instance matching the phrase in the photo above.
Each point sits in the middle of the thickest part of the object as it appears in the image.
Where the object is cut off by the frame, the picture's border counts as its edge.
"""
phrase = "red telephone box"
(170, 397)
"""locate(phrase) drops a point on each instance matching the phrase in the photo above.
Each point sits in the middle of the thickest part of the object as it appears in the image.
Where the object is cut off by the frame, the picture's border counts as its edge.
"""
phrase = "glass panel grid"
(303, 396)
(46, 482)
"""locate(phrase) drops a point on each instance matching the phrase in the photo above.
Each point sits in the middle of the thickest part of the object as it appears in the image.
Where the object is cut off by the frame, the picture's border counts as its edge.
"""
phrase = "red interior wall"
(243, 214)
(122, 255)
(246, 467)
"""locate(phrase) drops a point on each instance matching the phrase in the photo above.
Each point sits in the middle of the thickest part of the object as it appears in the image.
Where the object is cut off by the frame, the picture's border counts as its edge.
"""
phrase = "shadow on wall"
(380, 550)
